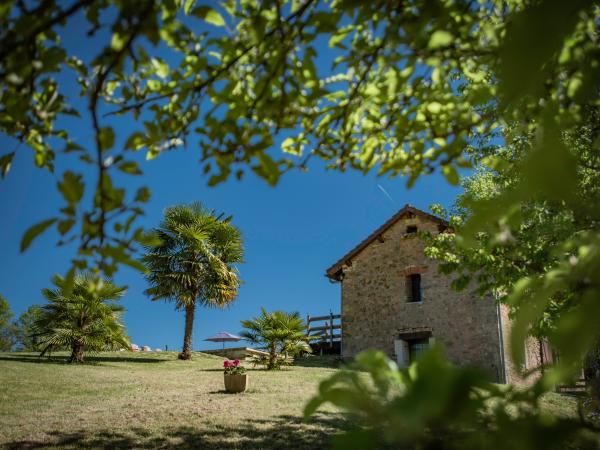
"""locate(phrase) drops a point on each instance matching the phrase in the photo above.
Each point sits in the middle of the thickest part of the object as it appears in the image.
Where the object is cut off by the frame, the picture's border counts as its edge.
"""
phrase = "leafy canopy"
(403, 89)
(537, 245)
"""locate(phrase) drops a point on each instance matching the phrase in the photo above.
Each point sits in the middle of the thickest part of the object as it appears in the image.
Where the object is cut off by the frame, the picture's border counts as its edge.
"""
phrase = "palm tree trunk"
(76, 353)
(189, 327)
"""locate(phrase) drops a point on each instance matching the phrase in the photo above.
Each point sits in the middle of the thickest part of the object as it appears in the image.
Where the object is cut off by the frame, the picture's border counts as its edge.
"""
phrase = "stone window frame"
(406, 273)
(411, 229)
(403, 340)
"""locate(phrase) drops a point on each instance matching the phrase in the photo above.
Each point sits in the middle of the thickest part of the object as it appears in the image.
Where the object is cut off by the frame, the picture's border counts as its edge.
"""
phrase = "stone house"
(394, 299)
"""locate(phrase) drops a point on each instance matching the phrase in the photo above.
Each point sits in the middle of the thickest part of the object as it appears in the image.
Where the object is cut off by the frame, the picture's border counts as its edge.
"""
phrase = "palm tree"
(278, 331)
(81, 316)
(192, 264)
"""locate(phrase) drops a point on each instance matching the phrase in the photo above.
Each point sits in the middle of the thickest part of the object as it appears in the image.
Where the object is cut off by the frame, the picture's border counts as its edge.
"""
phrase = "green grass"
(124, 400)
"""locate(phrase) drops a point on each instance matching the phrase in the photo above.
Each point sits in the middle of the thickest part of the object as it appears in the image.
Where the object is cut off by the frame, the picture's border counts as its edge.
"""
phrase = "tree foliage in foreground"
(83, 317)
(279, 332)
(533, 244)
(403, 89)
(433, 405)
(192, 262)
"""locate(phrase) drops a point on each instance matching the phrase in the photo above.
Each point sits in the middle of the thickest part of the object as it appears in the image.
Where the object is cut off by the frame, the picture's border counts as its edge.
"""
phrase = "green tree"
(26, 338)
(408, 89)
(434, 405)
(192, 263)
(531, 245)
(7, 327)
(83, 317)
(277, 331)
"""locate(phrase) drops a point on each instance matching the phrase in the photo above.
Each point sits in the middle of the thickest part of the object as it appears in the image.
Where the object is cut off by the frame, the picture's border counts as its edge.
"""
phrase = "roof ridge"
(333, 272)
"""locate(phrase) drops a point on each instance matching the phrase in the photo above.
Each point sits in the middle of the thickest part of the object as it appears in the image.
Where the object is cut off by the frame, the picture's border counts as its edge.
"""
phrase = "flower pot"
(236, 383)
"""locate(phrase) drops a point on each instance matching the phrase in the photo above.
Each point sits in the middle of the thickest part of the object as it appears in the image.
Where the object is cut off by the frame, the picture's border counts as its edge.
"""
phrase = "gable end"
(335, 272)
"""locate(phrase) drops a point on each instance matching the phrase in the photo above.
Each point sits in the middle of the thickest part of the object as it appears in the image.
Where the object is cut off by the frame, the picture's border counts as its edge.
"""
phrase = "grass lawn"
(124, 400)
(153, 400)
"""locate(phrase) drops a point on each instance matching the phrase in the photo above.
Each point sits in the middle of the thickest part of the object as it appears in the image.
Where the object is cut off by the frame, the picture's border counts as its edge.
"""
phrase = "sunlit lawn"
(125, 400)
(153, 400)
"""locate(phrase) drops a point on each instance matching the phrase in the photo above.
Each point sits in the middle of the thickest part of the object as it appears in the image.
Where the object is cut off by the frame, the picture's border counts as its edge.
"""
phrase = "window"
(411, 229)
(413, 287)
(416, 347)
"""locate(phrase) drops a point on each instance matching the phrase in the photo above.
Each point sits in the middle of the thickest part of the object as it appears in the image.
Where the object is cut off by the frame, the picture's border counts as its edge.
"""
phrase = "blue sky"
(292, 232)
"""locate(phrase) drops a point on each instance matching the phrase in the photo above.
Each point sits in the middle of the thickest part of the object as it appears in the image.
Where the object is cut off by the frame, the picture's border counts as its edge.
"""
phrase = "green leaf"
(135, 142)
(162, 68)
(71, 187)
(107, 138)
(440, 39)
(451, 174)
(188, 5)
(339, 36)
(209, 15)
(34, 232)
(117, 42)
(130, 167)
(5, 163)
(434, 107)
(142, 195)
(268, 168)
(65, 225)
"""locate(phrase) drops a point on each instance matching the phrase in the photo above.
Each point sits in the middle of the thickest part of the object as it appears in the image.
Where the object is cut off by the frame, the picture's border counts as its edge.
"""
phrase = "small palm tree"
(83, 317)
(192, 264)
(278, 331)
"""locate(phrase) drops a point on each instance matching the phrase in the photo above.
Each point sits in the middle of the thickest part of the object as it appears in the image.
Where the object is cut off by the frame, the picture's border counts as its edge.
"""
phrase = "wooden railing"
(328, 332)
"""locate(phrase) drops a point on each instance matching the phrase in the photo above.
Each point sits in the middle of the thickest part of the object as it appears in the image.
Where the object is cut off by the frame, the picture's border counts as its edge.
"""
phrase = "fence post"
(331, 328)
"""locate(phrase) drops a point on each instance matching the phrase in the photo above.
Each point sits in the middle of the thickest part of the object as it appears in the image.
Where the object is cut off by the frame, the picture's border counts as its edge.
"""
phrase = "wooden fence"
(326, 331)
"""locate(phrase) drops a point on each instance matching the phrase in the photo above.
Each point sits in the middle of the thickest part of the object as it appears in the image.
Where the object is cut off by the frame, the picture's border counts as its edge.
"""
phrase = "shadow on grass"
(276, 433)
(36, 359)
(327, 361)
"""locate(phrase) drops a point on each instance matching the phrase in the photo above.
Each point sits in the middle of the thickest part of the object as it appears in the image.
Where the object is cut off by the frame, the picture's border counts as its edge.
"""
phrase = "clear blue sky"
(292, 232)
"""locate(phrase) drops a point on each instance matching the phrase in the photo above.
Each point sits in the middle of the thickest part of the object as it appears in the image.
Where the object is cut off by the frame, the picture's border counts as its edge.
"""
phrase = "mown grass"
(125, 400)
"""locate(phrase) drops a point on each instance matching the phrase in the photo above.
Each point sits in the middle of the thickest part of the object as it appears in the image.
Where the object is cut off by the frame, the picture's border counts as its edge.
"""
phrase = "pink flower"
(236, 363)
(227, 364)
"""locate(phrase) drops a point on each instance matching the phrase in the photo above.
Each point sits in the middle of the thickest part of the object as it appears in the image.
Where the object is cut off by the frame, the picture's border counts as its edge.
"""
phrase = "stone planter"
(236, 383)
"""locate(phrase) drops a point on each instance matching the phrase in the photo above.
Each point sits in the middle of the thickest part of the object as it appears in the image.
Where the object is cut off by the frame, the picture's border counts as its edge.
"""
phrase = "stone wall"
(375, 311)
(529, 371)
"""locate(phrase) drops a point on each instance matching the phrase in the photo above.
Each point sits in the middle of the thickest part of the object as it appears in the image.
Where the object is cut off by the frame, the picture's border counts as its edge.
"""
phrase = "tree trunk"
(76, 353)
(186, 353)
(542, 357)
(272, 356)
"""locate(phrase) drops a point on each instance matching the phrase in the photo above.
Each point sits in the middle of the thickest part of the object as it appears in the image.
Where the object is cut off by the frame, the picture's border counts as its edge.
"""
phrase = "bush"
(591, 372)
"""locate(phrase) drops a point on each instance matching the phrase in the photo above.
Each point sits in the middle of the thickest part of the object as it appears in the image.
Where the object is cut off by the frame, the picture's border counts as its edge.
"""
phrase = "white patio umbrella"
(224, 336)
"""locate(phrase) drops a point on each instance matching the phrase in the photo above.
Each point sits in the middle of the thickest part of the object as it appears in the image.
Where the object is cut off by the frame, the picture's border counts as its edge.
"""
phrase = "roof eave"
(335, 272)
